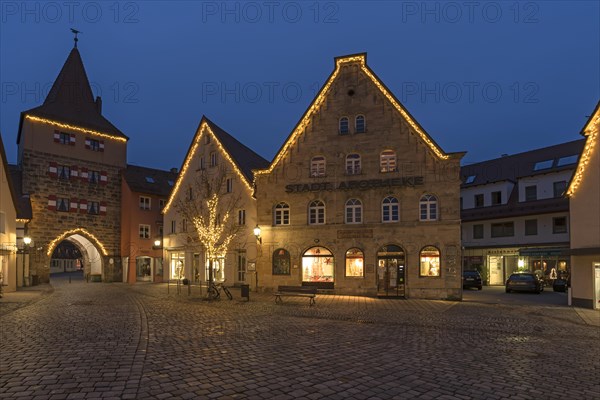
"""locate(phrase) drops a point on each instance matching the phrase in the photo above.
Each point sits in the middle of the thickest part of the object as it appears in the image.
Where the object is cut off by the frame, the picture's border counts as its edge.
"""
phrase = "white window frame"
(145, 203)
(387, 161)
(281, 214)
(144, 231)
(364, 124)
(353, 164)
(428, 208)
(318, 166)
(344, 121)
(353, 212)
(229, 185)
(241, 217)
(388, 204)
(316, 212)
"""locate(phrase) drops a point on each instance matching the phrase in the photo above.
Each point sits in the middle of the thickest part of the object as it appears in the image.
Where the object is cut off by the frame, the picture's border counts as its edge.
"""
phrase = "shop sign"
(409, 181)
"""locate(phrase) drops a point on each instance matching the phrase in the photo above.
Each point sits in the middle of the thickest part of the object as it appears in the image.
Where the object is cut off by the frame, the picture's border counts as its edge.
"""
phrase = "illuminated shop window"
(428, 207)
(355, 263)
(390, 210)
(281, 214)
(344, 126)
(430, 261)
(317, 166)
(316, 212)
(360, 124)
(387, 161)
(176, 265)
(353, 211)
(317, 265)
(281, 262)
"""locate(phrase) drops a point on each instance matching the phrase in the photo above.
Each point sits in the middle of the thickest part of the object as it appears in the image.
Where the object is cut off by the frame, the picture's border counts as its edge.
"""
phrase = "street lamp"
(257, 234)
(26, 243)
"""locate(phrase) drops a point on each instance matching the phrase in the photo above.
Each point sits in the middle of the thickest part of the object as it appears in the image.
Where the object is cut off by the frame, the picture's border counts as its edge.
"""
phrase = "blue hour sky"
(486, 77)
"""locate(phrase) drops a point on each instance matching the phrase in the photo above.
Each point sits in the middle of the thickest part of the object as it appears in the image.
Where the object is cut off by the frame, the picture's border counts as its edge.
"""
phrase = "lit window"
(430, 261)
(360, 124)
(428, 207)
(318, 265)
(144, 203)
(144, 231)
(390, 210)
(317, 166)
(353, 164)
(316, 212)
(281, 262)
(344, 126)
(387, 161)
(281, 214)
(354, 263)
(353, 211)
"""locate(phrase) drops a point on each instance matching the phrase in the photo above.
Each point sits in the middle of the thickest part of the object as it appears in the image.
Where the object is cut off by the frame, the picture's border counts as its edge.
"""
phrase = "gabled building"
(70, 158)
(515, 215)
(8, 227)
(144, 193)
(584, 200)
(360, 199)
(214, 154)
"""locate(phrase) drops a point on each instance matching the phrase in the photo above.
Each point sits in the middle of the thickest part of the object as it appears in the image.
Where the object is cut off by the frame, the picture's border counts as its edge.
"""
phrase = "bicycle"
(214, 291)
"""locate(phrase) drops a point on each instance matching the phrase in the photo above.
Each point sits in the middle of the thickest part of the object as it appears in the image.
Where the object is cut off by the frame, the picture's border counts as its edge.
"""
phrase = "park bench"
(296, 291)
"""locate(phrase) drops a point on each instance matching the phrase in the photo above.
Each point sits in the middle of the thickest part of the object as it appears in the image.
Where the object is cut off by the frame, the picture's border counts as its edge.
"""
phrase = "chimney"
(99, 104)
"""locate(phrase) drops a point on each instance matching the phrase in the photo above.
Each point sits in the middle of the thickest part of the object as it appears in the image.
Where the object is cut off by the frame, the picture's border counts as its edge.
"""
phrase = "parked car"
(524, 282)
(471, 279)
(560, 285)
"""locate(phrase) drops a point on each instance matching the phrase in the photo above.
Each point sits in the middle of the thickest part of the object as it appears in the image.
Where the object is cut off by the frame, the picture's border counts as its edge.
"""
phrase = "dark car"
(471, 279)
(524, 282)
(560, 285)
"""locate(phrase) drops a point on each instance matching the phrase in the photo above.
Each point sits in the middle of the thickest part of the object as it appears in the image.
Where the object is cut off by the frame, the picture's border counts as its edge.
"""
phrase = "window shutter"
(74, 172)
(74, 205)
(102, 208)
(53, 170)
(72, 139)
(87, 143)
(83, 174)
(52, 203)
(101, 145)
(103, 177)
(56, 137)
(83, 206)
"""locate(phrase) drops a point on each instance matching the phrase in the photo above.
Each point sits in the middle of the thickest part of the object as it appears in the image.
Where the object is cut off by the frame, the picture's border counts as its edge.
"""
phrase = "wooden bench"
(296, 291)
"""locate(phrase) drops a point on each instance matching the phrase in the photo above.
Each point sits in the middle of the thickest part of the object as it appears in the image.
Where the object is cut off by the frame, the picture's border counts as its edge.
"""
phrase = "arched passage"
(81, 245)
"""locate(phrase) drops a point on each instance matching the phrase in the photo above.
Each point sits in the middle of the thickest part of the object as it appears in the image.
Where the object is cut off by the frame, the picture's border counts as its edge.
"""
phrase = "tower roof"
(71, 101)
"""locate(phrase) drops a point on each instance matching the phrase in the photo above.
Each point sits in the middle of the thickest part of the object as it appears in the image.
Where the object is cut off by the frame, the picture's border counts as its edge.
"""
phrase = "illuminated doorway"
(391, 271)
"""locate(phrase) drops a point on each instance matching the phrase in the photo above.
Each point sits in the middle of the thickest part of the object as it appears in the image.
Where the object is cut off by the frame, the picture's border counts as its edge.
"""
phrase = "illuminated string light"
(204, 129)
(80, 231)
(319, 100)
(591, 131)
(211, 232)
(23, 220)
(75, 128)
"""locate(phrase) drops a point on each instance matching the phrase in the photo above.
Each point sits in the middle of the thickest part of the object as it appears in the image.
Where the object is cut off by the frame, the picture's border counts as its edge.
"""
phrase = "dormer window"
(360, 124)
(344, 128)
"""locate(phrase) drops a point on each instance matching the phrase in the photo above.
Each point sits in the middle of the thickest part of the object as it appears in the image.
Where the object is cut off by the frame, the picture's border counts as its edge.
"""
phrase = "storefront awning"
(544, 252)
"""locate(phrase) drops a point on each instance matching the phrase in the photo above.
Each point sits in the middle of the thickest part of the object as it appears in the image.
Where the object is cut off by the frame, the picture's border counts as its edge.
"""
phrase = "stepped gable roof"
(512, 167)
(244, 157)
(71, 101)
(149, 180)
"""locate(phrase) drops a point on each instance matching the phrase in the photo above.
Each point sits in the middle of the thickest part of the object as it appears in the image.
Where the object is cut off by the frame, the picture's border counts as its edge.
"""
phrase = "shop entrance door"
(391, 275)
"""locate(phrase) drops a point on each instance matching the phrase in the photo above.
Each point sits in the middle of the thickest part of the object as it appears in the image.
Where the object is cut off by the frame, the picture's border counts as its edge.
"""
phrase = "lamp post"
(26, 243)
(257, 234)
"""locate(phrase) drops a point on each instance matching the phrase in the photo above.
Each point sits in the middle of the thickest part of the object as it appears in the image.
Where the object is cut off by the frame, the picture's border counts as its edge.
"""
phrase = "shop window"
(429, 261)
(316, 212)
(390, 209)
(343, 126)
(387, 161)
(478, 200)
(355, 263)
(503, 229)
(559, 225)
(428, 207)
(478, 231)
(353, 211)
(531, 227)
(317, 166)
(530, 193)
(317, 265)
(281, 262)
(177, 265)
(281, 214)
(360, 124)
(353, 164)
(559, 188)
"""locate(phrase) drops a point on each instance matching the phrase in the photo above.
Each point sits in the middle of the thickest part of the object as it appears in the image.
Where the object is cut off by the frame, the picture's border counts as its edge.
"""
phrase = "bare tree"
(211, 209)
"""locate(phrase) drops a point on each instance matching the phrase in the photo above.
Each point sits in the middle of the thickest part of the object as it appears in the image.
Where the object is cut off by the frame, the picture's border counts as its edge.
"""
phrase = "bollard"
(69, 278)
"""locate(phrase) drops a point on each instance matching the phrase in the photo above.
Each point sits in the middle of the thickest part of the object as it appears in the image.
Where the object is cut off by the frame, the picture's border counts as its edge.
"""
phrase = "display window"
(318, 265)
(430, 261)
(281, 262)
(177, 262)
(355, 263)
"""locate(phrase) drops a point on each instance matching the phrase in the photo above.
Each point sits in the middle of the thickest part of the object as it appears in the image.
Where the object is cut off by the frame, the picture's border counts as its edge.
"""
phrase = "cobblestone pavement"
(116, 341)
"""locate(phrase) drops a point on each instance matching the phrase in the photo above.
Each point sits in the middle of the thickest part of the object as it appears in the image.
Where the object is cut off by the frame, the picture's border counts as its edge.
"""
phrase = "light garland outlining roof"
(80, 231)
(75, 128)
(204, 129)
(319, 100)
(591, 131)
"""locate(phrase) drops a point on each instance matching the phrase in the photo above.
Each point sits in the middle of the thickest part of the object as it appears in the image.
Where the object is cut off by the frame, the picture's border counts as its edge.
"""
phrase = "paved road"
(115, 341)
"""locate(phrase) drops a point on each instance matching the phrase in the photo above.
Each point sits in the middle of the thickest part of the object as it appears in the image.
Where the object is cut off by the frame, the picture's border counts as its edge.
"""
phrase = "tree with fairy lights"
(211, 209)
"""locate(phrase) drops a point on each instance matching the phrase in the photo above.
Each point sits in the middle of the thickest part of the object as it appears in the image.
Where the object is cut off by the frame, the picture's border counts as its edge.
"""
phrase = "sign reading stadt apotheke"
(410, 181)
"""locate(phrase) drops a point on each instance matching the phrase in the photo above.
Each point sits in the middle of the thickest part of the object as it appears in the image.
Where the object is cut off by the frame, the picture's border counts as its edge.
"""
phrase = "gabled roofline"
(317, 102)
(590, 131)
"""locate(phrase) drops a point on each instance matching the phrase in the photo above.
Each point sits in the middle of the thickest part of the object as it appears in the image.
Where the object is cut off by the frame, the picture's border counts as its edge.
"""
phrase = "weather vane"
(75, 31)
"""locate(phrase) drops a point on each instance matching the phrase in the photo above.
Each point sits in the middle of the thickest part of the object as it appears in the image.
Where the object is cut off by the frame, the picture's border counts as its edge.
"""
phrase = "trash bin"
(245, 291)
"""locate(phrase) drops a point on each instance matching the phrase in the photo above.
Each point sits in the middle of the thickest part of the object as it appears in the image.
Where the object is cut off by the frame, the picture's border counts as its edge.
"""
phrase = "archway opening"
(75, 257)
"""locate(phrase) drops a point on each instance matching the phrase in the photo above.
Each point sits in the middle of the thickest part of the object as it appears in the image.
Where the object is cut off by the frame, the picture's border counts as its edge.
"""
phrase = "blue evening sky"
(486, 77)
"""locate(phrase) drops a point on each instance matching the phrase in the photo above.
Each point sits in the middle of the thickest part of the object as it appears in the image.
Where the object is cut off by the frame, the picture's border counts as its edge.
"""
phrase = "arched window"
(430, 261)
(360, 125)
(428, 207)
(281, 262)
(317, 166)
(281, 214)
(390, 210)
(344, 126)
(387, 161)
(355, 263)
(353, 164)
(353, 211)
(316, 213)
(318, 267)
